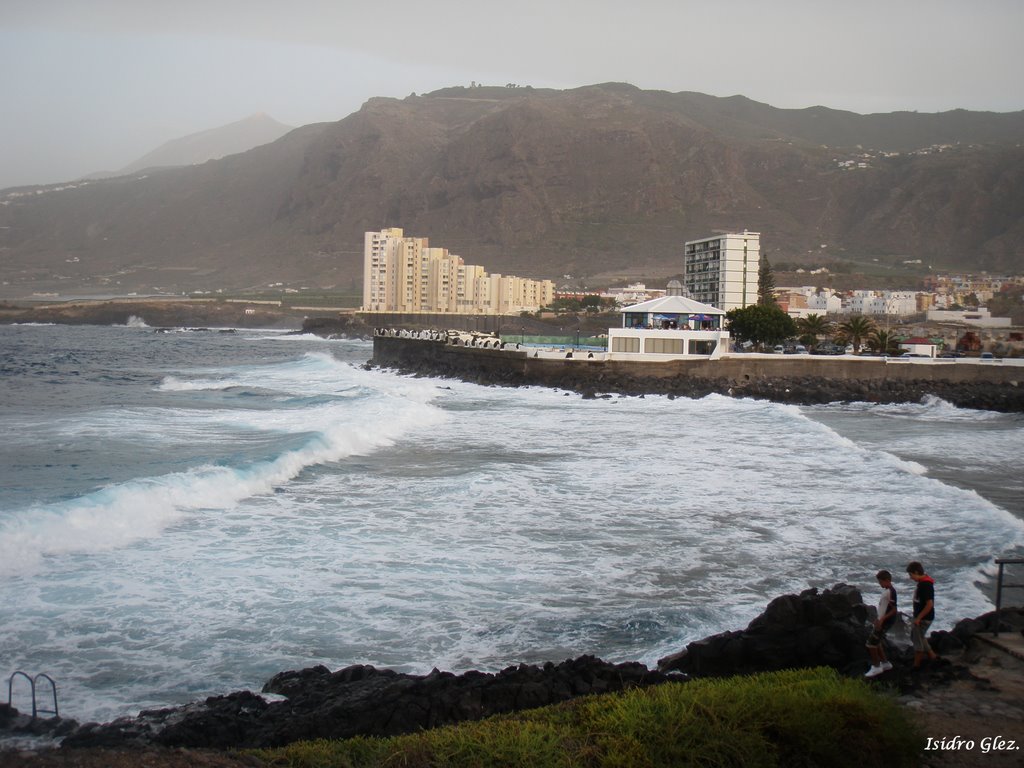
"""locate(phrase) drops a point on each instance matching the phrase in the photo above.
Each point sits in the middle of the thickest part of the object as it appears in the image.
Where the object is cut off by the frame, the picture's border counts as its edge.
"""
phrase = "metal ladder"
(1000, 586)
(32, 681)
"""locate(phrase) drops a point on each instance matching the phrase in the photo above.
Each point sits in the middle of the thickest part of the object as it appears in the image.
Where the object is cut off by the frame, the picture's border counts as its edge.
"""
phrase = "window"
(664, 346)
(702, 347)
(625, 344)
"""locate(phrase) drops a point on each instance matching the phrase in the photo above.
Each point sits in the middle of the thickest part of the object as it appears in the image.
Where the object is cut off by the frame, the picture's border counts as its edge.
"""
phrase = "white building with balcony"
(669, 328)
(722, 270)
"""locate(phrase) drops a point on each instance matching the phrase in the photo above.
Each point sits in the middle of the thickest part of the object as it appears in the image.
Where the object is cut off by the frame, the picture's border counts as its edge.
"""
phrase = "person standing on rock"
(886, 618)
(924, 612)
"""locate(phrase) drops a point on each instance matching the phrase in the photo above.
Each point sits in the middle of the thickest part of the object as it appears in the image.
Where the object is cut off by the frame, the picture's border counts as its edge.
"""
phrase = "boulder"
(807, 630)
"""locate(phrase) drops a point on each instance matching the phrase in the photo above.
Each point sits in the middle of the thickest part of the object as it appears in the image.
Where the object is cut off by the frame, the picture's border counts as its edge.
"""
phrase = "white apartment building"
(722, 270)
(634, 293)
(824, 303)
(405, 274)
(900, 303)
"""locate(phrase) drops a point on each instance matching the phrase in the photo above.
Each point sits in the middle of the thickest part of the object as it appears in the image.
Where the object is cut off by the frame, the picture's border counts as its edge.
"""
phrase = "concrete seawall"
(790, 378)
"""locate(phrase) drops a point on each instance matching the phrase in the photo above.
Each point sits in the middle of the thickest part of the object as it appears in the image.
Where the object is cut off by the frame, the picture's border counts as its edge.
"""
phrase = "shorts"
(875, 638)
(917, 633)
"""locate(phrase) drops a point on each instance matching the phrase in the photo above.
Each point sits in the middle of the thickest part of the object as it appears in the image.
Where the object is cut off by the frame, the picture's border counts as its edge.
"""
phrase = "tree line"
(766, 325)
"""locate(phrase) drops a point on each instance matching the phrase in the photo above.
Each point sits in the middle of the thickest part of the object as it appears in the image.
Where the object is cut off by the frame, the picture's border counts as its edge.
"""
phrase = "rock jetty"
(802, 380)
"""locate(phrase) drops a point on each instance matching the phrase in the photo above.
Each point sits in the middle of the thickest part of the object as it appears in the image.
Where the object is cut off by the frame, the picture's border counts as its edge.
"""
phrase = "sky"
(92, 85)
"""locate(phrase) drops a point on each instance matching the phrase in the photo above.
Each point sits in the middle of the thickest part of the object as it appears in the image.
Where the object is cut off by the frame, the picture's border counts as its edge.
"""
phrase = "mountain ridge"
(210, 144)
(540, 182)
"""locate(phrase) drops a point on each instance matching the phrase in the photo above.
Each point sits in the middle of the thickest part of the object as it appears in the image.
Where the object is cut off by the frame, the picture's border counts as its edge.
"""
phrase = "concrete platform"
(1011, 642)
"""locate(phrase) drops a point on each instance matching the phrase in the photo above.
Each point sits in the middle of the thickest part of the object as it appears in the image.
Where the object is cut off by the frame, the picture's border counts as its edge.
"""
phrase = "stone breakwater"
(810, 629)
(804, 380)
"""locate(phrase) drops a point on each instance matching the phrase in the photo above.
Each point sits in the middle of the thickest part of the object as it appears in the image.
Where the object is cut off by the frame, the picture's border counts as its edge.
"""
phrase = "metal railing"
(1001, 585)
(32, 682)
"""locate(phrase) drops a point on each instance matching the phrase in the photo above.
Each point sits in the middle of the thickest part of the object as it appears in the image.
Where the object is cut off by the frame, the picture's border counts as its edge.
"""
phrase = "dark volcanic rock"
(15, 723)
(806, 630)
(365, 701)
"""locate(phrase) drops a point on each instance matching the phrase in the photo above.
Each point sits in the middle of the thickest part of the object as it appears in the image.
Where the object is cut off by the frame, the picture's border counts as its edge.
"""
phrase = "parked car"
(827, 349)
(779, 349)
(986, 356)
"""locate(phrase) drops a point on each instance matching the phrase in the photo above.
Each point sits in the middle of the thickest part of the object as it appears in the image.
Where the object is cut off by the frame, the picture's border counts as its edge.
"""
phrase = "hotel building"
(405, 274)
(722, 270)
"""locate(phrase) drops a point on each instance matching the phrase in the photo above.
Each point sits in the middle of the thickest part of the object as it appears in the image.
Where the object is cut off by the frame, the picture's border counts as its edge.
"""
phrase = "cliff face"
(538, 183)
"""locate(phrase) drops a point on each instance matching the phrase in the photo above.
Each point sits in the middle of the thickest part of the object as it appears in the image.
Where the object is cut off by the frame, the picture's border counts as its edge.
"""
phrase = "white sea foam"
(411, 523)
(931, 408)
(122, 514)
(304, 337)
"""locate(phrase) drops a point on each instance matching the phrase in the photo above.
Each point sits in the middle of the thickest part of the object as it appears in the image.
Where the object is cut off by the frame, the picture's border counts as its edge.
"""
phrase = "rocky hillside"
(538, 183)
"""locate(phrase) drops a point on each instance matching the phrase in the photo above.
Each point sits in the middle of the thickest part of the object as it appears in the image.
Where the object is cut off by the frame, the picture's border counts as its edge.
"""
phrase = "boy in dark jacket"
(924, 612)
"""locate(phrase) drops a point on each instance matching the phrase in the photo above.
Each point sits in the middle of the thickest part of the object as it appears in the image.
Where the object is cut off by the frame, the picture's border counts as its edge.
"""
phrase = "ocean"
(187, 513)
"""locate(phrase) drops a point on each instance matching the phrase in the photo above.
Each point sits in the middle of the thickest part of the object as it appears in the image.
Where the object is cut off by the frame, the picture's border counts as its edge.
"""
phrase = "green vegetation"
(883, 341)
(812, 328)
(794, 718)
(766, 283)
(856, 330)
(760, 324)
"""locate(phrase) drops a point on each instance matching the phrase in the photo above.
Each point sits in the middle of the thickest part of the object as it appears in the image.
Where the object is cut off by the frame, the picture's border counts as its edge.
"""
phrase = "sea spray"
(207, 510)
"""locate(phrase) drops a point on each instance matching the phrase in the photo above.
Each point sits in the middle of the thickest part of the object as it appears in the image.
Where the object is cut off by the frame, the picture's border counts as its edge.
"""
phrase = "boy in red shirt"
(924, 612)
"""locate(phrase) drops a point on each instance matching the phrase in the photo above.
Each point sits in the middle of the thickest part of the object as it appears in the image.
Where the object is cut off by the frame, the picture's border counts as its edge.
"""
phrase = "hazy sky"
(89, 85)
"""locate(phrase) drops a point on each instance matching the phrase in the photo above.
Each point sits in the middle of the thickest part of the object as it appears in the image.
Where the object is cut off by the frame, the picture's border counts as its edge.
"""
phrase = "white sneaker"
(886, 666)
(874, 672)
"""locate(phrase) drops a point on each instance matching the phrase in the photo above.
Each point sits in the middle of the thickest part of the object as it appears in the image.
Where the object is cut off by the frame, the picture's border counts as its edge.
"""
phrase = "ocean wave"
(311, 511)
(124, 513)
(931, 408)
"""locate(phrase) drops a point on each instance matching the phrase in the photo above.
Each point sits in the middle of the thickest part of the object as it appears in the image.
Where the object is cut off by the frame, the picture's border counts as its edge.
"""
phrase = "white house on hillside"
(669, 328)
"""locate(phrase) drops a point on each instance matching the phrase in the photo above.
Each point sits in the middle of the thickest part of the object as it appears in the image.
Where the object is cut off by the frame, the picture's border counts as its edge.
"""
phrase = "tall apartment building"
(722, 270)
(405, 274)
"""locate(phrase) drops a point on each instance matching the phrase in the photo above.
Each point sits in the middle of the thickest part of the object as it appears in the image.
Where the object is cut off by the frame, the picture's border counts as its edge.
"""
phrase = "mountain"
(604, 179)
(212, 144)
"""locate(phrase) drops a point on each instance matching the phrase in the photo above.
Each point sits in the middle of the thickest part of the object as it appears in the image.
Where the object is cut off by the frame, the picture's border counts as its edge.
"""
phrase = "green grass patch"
(793, 718)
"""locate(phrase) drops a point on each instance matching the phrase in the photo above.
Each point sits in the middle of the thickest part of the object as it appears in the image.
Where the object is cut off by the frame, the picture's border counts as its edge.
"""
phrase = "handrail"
(32, 688)
(1002, 561)
(53, 689)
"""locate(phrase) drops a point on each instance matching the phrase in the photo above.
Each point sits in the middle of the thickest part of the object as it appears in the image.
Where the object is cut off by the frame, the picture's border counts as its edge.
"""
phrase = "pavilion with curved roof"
(669, 327)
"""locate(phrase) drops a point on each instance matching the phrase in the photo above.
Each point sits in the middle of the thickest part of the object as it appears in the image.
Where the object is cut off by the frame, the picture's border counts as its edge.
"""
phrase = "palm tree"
(883, 341)
(812, 327)
(857, 328)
